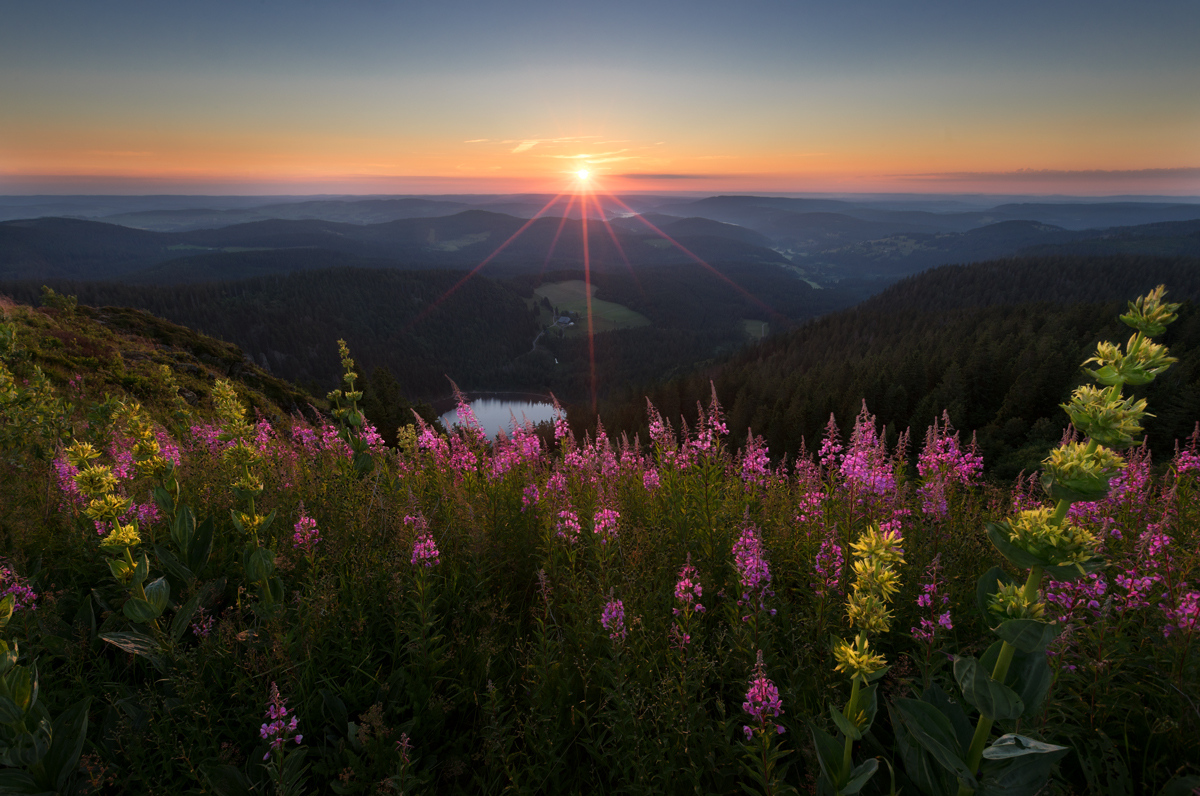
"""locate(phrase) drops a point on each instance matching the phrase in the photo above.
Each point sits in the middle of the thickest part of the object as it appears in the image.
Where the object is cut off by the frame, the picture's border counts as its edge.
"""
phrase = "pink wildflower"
(278, 729)
(613, 619)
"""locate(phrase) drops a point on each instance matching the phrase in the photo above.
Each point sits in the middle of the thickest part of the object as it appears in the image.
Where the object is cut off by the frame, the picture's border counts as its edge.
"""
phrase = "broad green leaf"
(172, 564)
(992, 699)
(1029, 676)
(259, 563)
(986, 587)
(166, 503)
(8, 657)
(1180, 786)
(1079, 491)
(1013, 745)
(157, 594)
(21, 687)
(1028, 635)
(70, 731)
(844, 725)
(140, 611)
(860, 776)
(869, 700)
(133, 642)
(183, 530)
(141, 570)
(963, 729)
(6, 610)
(998, 532)
(1017, 774)
(935, 733)
(201, 547)
(15, 781)
(829, 753)
(9, 712)
(919, 765)
(183, 617)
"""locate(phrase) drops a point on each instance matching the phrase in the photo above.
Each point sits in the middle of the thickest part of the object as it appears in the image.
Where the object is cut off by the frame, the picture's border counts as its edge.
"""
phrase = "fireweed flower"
(762, 700)
(830, 452)
(202, 625)
(529, 496)
(688, 589)
(1184, 617)
(605, 524)
(866, 465)
(278, 728)
(827, 566)
(306, 536)
(943, 462)
(756, 464)
(613, 619)
(15, 586)
(568, 526)
(425, 552)
(935, 602)
(754, 573)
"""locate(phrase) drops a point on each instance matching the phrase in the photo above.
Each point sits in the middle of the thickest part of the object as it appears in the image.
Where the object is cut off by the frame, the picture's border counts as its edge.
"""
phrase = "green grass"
(606, 316)
(755, 330)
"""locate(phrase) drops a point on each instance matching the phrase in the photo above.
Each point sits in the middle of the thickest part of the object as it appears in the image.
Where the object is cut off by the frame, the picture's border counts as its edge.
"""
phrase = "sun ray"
(765, 307)
(562, 222)
(587, 281)
(421, 316)
(621, 251)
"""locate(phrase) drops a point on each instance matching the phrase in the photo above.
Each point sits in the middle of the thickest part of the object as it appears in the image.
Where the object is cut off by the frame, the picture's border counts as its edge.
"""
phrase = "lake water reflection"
(496, 414)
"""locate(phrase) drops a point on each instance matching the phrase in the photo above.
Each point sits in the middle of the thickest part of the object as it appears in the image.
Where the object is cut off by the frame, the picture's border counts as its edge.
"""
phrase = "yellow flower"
(95, 481)
(1062, 544)
(876, 577)
(857, 661)
(80, 453)
(881, 546)
(868, 612)
(107, 508)
(122, 536)
(1010, 603)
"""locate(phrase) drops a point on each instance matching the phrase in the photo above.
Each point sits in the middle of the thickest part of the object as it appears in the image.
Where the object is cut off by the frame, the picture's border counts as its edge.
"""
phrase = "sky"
(460, 96)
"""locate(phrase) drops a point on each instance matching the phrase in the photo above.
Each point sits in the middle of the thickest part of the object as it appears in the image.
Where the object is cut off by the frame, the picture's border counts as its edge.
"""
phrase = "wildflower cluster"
(604, 524)
(305, 535)
(754, 572)
(612, 619)
(278, 729)
(568, 527)
(934, 600)
(943, 462)
(18, 589)
(762, 701)
(688, 592)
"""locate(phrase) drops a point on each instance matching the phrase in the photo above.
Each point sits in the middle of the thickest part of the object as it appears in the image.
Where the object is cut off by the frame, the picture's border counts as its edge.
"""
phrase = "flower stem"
(984, 726)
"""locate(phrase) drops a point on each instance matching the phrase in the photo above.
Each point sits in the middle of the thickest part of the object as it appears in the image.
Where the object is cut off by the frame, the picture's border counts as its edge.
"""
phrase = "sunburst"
(585, 191)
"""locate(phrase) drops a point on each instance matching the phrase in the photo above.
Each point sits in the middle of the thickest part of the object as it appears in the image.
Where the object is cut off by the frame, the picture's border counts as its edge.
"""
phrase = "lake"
(495, 411)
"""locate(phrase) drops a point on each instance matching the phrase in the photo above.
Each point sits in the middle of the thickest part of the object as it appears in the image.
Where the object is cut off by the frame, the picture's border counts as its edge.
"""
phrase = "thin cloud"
(664, 176)
(477, 141)
(1083, 175)
(587, 156)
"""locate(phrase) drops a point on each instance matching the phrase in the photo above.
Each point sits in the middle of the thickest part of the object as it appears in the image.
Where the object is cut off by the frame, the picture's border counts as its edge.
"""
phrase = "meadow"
(572, 296)
(198, 598)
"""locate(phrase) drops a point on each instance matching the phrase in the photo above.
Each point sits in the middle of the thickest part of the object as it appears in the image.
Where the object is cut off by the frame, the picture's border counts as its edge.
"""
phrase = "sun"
(582, 174)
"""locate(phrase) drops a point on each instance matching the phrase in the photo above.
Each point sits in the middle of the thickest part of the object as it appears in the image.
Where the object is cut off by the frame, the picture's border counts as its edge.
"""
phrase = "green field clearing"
(606, 316)
(755, 330)
(458, 243)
